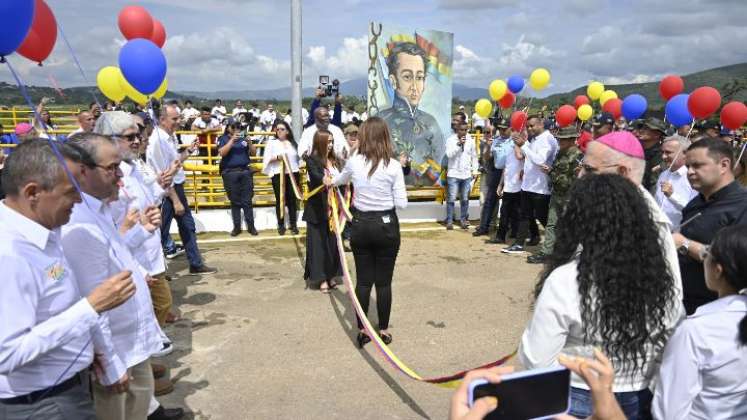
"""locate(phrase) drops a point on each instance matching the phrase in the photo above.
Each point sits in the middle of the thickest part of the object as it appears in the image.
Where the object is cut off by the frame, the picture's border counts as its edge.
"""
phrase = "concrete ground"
(253, 343)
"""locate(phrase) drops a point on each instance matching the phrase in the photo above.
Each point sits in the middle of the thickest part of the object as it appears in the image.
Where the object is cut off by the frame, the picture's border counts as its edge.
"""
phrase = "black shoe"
(479, 232)
(534, 241)
(166, 413)
(513, 249)
(235, 231)
(252, 231)
(281, 231)
(363, 339)
(496, 240)
(203, 269)
(386, 338)
(294, 230)
(449, 226)
(537, 259)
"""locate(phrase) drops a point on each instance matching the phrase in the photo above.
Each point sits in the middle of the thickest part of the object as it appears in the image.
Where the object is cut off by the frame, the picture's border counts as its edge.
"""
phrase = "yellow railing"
(63, 119)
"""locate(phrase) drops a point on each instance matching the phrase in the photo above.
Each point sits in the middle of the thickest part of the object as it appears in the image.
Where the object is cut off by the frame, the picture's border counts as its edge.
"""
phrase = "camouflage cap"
(567, 133)
(603, 119)
(656, 125)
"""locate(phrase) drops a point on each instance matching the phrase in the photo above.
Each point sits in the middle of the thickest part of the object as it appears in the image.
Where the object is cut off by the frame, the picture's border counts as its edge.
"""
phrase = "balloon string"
(741, 153)
(77, 63)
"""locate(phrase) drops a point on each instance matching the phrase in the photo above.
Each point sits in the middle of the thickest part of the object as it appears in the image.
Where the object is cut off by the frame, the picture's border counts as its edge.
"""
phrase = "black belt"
(44, 393)
(236, 169)
(374, 213)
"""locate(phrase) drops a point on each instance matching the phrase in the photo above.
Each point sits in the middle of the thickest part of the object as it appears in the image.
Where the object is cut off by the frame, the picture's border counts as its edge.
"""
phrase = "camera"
(327, 88)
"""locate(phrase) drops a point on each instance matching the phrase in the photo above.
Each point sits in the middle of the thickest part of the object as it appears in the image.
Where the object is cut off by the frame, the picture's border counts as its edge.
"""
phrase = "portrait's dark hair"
(728, 249)
(392, 61)
(717, 149)
(625, 286)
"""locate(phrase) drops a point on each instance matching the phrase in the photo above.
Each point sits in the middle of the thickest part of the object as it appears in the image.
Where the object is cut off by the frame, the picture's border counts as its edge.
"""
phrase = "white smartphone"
(531, 394)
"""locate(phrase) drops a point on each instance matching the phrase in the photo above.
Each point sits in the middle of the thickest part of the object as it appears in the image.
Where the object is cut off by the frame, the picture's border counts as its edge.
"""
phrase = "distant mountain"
(731, 81)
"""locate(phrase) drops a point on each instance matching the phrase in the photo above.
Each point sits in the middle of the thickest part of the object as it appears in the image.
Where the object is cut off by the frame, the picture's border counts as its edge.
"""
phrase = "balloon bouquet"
(142, 65)
(504, 94)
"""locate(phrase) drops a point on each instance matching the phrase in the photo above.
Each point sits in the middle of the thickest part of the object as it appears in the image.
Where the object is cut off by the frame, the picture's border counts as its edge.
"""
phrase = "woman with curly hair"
(704, 371)
(606, 285)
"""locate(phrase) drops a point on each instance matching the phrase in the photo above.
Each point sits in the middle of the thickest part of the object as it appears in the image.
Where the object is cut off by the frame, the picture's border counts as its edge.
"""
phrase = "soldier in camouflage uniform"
(562, 174)
(414, 132)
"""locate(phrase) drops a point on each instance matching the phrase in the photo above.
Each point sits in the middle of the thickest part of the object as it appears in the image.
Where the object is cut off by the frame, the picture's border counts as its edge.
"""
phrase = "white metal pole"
(296, 70)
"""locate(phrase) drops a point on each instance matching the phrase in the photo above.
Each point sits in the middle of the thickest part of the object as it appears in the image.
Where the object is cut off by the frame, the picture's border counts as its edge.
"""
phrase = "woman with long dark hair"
(704, 371)
(282, 144)
(322, 259)
(379, 186)
(234, 167)
(606, 285)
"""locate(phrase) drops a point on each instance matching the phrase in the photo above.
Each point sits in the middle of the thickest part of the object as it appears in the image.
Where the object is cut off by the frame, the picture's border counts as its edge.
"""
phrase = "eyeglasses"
(112, 169)
(129, 138)
(592, 169)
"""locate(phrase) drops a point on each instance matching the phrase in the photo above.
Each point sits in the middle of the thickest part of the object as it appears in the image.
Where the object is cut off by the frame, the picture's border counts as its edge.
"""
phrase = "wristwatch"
(684, 248)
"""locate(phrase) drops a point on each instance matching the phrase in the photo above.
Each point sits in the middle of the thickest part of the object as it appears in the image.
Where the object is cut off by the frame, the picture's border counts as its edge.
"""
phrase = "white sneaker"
(166, 350)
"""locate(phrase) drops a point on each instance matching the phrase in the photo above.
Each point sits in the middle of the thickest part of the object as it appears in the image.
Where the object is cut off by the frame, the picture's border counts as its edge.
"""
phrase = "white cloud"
(348, 62)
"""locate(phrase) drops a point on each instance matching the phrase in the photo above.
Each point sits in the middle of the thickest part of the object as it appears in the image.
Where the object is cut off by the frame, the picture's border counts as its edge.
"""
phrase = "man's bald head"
(169, 118)
(321, 117)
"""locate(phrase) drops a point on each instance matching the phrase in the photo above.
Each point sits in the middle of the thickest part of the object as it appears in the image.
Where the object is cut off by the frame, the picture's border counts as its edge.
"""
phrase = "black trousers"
(510, 215)
(239, 186)
(375, 241)
(290, 199)
(493, 178)
(533, 207)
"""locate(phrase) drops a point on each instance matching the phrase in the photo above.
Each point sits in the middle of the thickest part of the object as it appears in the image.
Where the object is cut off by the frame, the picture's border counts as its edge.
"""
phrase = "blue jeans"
(186, 228)
(636, 405)
(493, 178)
(455, 185)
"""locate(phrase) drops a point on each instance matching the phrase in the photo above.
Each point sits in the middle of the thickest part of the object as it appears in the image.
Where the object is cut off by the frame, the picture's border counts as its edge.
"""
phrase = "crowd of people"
(645, 230)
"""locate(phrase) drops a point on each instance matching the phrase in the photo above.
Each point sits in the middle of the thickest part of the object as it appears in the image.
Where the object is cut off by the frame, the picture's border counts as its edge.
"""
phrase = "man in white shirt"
(162, 153)
(238, 109)
(46, 326)
(478, 122)
(208, 128)
(462, 169)
(673, 190)
(268, 117)
(219, 111)
(539, 156)
(321, 122)
(255, 110)
(85, 123)
(189, 113)
(96, 249)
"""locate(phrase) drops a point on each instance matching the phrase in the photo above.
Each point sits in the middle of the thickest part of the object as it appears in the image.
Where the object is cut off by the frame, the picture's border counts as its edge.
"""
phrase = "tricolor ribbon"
(450, 381)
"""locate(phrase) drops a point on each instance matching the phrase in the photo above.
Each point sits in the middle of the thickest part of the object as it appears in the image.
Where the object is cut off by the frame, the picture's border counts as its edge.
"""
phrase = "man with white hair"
(673, 190)
(621, 153)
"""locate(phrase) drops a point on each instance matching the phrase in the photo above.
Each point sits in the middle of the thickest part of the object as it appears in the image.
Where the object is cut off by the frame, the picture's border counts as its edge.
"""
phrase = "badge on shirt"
(55, 272)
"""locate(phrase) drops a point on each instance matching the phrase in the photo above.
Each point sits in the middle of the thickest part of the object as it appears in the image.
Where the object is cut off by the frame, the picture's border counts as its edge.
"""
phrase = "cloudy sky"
(245, 44)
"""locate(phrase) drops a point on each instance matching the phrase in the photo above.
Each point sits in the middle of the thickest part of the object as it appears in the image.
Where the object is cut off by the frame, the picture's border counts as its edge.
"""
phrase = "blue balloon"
(634, 106)
(15, 22)
(515, 83)
(143, 65)
(676, 110)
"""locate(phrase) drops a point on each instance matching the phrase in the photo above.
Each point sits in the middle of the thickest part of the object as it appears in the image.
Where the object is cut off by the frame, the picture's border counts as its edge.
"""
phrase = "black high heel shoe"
(363, 339)
(386, 338)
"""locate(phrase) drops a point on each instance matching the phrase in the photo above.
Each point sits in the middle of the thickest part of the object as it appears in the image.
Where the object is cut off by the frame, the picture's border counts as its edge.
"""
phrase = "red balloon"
(518, 120)
(507, 100)
(671, 86)
(614, 107)
(565, 115)
(581, 100)
(733, 115)
(135, 22)
(159, 33)
(42, 36)
(703, 102)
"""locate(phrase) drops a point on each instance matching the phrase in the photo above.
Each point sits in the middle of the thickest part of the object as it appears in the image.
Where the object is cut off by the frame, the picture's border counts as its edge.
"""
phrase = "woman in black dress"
(322, 258)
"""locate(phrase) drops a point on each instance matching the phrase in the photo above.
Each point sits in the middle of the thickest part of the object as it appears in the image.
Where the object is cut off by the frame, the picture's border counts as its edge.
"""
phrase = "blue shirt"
(10, 138)
(500, 149)
(237, 157)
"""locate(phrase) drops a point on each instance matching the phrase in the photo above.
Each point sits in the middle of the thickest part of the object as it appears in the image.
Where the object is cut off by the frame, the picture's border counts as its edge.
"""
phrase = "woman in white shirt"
(283, 144)
(704, 371)
(607, 285)
(379, 186)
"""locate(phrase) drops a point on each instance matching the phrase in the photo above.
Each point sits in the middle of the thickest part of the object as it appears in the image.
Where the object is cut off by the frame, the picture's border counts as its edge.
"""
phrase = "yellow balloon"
(158, 94)
(133, 93)
(606, 96)
(483, 107)
(497, 89)
(594, 91)
(584, 112)
(539, 79)
(108, 82)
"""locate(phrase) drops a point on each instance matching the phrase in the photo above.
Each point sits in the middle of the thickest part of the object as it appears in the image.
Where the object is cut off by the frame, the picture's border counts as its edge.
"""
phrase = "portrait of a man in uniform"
(414, 132)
